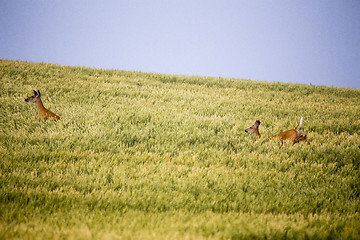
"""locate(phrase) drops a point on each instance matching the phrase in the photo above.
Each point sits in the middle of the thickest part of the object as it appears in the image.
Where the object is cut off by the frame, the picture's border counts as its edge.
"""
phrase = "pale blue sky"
(299, 41)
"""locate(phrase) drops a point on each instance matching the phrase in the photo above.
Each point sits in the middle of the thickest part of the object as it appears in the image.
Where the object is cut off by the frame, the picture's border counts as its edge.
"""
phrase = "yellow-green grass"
(154, 156)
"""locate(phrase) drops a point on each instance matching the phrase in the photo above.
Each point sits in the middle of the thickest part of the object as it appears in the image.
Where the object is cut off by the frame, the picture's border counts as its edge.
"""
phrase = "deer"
(43, 112)
(293, 135)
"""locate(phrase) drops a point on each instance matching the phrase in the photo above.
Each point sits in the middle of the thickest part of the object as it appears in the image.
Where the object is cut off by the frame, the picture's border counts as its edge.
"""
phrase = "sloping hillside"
(153, 156)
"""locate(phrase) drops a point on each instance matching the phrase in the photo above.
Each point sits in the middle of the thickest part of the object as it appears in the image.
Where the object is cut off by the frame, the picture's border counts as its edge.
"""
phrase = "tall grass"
(149, 156)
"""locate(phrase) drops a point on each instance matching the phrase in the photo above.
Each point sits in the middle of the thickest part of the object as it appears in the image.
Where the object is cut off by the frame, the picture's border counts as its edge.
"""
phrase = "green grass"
(153, 156)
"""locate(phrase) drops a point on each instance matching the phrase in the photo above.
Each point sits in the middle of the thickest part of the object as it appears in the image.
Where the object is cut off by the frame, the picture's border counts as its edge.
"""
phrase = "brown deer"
(43, 112)
(291, 135)
(254, 129)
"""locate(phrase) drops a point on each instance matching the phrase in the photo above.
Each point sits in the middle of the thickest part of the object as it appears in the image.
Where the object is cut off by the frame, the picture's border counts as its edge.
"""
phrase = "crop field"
(154, 156)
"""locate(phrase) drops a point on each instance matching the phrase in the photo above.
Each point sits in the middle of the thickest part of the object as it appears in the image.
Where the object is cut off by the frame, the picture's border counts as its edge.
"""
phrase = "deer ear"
(35, 92)
(39, 93)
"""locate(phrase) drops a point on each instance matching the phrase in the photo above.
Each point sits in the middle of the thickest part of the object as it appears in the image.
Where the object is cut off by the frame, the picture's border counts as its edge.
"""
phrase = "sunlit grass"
(149, 156)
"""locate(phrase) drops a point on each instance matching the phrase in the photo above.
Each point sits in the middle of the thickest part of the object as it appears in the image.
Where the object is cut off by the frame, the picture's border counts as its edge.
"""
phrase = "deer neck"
(39, 106)
(257, 133)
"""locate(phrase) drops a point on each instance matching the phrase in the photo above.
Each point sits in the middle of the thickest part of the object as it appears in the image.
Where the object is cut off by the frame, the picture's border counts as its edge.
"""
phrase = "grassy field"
(153, 156)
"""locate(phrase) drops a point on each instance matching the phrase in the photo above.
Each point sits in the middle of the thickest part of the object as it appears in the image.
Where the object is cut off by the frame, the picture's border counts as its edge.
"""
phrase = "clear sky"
(300, 41)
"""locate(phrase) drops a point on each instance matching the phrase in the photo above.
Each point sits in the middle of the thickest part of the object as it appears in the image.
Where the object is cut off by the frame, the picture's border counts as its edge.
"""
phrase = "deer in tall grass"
(293, 135)
(43, 112)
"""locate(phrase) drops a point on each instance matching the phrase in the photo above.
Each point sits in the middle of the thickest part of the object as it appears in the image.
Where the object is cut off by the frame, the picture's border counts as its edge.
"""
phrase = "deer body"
(293, 135)
(42, 111)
